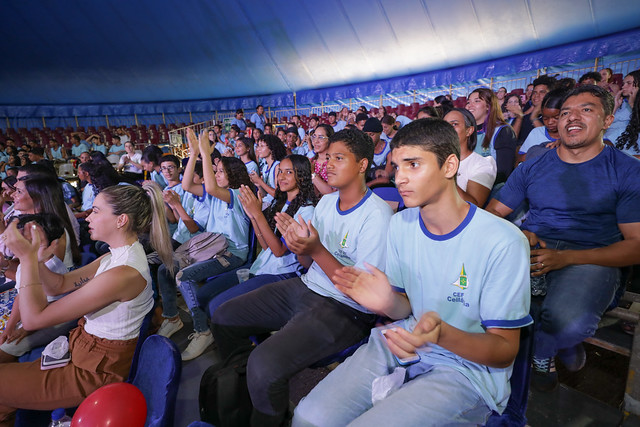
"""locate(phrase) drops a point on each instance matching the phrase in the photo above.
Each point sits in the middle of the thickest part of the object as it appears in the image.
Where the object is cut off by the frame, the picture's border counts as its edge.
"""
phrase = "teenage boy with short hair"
(170, 169)
(458, 279)
(313, 319)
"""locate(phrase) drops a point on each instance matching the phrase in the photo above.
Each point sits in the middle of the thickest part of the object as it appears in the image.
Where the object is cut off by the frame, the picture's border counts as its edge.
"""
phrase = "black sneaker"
(573, 358)
(545, 377)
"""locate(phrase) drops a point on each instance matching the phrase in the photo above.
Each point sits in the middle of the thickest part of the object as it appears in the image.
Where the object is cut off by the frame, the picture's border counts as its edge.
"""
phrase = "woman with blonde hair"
(112, 295)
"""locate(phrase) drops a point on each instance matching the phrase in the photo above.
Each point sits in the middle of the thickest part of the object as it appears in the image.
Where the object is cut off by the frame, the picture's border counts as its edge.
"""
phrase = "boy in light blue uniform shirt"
(313, 319)
(457, 278)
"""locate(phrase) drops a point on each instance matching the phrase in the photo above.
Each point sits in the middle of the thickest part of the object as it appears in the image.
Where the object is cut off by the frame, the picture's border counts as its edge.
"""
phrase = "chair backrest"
(158, 377)
(391, 196)
(144, 333)
(66, 169)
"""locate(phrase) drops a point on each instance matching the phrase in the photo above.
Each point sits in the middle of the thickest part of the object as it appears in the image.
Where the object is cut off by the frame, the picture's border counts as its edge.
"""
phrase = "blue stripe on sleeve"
(508, 324)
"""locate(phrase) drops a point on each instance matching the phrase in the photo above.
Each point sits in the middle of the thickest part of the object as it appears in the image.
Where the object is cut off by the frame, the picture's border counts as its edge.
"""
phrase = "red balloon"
(113, 405)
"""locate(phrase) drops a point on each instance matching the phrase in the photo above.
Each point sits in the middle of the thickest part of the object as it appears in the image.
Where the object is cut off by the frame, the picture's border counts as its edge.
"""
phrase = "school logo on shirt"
(343, 243)
(462, 281)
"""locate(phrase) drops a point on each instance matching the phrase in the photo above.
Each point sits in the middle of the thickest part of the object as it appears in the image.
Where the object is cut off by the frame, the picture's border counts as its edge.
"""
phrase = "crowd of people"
(440, 288)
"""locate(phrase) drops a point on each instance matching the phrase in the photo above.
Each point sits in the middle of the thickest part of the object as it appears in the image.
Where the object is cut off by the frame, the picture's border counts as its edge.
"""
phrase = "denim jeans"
(310, 327)
(577, 296)
(441, 396)
(224, 294)
(191, 275)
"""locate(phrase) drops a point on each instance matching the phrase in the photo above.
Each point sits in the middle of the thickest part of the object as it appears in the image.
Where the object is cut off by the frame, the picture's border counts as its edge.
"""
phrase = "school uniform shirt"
(404, 120)
(88, 196)
(259, 121)
(230, 220)
(301, 150)
(269, 177)
(353, 237)
(340, 124)
(252, 167)
(198, 209)
(158, 178)
(620, 122)
(221, 147)
(76, 150)
(478, 169)
(115, 148)
(185, 201)
(536, 137)
(242, 125)
(56, 154)
(475, 277)
(101, 148)
(380, 159)
(268, 263)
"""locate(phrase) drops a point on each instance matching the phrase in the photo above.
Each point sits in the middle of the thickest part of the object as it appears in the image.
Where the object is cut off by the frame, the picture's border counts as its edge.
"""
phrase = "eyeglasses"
(320, 137)
(168, 168)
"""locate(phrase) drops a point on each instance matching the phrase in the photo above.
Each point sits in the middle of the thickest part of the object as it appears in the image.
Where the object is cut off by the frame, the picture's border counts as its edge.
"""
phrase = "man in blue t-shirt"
(583, 223)
(314, 320)
(456, 282)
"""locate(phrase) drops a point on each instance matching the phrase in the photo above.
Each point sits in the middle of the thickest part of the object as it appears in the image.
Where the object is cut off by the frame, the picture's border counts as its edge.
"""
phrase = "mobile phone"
(48, 362)
(404, 361)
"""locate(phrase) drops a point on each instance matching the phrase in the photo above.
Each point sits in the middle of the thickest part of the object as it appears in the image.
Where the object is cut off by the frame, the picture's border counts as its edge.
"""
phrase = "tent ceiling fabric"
(79, 52)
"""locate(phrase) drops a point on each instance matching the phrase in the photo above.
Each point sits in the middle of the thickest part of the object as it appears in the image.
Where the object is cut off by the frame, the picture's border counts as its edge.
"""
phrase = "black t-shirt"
(526, 127)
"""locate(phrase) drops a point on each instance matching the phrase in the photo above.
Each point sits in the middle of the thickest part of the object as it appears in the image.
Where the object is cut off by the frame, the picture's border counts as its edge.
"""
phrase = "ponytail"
(145, 209)
(159, 228)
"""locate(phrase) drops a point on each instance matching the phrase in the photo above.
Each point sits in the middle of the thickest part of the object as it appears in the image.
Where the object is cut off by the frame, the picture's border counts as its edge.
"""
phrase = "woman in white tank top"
(112, 296)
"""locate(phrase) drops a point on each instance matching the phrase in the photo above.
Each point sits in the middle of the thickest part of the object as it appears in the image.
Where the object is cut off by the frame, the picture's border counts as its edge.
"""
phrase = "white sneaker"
(169, 327)
(198, 342)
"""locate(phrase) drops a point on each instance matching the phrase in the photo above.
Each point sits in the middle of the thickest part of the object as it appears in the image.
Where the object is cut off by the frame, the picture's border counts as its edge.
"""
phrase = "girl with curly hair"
(296, 197)
(628, 141)
(222, 190)
(272, 150)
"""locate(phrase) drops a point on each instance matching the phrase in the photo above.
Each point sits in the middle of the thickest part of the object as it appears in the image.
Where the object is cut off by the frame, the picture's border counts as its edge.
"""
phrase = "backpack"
(202, 247)
(224, 397)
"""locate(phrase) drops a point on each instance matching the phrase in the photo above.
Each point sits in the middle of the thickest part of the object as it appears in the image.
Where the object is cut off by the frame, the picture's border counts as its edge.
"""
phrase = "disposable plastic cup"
(243, 275)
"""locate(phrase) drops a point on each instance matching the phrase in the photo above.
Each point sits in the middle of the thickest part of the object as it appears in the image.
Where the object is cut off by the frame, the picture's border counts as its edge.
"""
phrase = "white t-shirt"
(353, 237)
(475, 277)
(230, 219)
(128, 167)
(478, 169)
(536, 137)
(268, 263)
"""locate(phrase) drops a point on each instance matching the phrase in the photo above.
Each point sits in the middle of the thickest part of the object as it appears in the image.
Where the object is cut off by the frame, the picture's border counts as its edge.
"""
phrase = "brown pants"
(94, 362)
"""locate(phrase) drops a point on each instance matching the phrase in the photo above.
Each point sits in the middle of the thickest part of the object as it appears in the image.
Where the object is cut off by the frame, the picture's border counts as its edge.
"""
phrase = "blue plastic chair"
(30, 417)
(157, 375)
(390, 194)
(515, 413)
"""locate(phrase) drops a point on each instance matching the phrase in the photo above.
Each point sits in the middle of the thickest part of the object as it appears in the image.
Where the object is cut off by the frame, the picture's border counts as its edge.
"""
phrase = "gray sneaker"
(545, 377)
(198, 343)
(169, 327)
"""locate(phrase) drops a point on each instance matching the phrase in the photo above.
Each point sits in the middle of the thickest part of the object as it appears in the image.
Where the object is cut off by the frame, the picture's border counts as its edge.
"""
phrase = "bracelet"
(30, 284)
